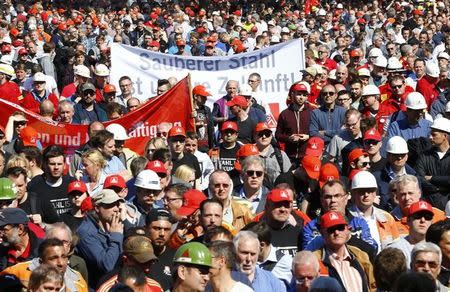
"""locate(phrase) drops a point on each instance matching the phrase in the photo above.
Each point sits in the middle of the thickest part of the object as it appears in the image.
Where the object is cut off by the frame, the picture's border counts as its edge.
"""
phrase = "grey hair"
(403, 180)
(425, 247)
(306, 257)
(55, 226)
(210, 185)
(65, 102)
(245, 234)
(250, 160)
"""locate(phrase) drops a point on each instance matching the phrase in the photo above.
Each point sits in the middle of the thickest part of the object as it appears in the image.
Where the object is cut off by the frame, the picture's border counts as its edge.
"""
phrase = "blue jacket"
(403, 129)
(98, 248)
(265, 281)
(438, 106)
(312, 239)
(329, 121)
(81, 117)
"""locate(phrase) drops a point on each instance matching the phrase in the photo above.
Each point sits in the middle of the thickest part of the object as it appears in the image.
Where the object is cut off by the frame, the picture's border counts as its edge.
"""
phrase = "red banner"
(174, 106)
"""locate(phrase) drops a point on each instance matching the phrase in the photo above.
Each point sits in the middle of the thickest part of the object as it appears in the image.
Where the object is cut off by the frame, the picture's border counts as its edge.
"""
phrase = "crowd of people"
(349, 192)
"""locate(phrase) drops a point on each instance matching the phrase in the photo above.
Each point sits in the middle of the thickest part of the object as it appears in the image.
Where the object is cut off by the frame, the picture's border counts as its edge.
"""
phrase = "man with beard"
(19, 242)
(148, 189)
(87, 110)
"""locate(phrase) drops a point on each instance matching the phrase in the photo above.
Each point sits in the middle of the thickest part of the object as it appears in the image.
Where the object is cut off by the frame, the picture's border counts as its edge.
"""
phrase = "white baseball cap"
(148, 179)
(370, 89)
(364, 180)
(397, 145)
(432, 69)
(118, 130)
(415, 101)
(39, 77)
(441, 124)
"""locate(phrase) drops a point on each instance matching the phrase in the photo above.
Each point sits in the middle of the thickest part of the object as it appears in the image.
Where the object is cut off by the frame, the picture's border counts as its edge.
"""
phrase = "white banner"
(278, 66)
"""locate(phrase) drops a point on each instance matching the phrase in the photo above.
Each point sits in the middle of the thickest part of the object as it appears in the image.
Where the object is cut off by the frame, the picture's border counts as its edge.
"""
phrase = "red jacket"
(386, 92)
(428, 89)
(32, 102)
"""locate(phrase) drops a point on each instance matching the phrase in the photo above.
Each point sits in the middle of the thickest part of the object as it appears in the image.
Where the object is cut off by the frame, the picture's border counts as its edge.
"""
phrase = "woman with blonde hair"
(92, 173)
(187, 174)
(20, 161)
(152, 145)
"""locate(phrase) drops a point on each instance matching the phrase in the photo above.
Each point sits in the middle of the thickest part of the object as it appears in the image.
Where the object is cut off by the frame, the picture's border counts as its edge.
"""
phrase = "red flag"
(174, 106)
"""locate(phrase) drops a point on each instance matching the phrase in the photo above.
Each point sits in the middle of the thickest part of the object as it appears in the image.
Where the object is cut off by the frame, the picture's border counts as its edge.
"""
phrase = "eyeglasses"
(328, 93)
(256, 173)
(89, 92)
(421, 264)
(169, 200)
(398, 156)
(229, 132)
(333, 229)
(264, 134)
(175, 140)
(426, 215)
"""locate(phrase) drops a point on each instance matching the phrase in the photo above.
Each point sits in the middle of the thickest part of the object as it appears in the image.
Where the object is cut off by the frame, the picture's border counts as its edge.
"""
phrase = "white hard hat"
(397, 145)
(245, 90)
(441, 124)
(101, 70)
(380, 61)
(364, 72)
(364, 180)
(82, 71)
(7, 70)
(415, 101)
(447, 107)
(148, 179)
(393, 64)
(370, 89)
(39, 77)
(118, 130)
(432, 69)
(6, 59)
(375, 52)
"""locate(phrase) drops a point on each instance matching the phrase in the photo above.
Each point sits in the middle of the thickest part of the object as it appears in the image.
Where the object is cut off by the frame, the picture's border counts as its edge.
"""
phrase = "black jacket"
(429, 164)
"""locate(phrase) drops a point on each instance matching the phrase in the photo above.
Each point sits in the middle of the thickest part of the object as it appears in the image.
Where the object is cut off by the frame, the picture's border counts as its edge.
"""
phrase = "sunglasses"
(371, 142)
(333, 229)
(264, 134)
(20, 123)
(428, 216)
(328, 93)
(397, 86)
(174, 140)
(364, 164)
(421, 264)
(229, 132)
(89, 92)
(161, 134)
(256, 173)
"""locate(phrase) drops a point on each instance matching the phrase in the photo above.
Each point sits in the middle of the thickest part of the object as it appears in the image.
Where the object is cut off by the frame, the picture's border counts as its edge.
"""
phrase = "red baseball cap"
(200, 90)
(77, 186)
(420, 206)
(238, 100)
(356, 53)
(279, 195)
(355, 154)
(262, 127)
(315, 146)
(328, 172)
(181, 43)
(157, 166)
(229, 125)
(245, 151)
(22, 51)
(331, 219)
(114, 180)
(312, 164)
(372, 134)
(29, 136)
(176, 131)
(299, 87)
(191, 202)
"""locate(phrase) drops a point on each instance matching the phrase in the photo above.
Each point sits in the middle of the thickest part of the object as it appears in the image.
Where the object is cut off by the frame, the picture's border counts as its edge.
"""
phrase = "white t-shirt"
(240, 287)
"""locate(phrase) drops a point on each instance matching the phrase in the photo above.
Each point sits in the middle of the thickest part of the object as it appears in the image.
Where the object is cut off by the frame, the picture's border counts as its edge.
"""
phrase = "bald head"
(46, 109)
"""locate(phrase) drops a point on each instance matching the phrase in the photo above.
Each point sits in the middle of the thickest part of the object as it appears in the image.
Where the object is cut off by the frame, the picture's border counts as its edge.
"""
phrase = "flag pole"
(191, 98)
